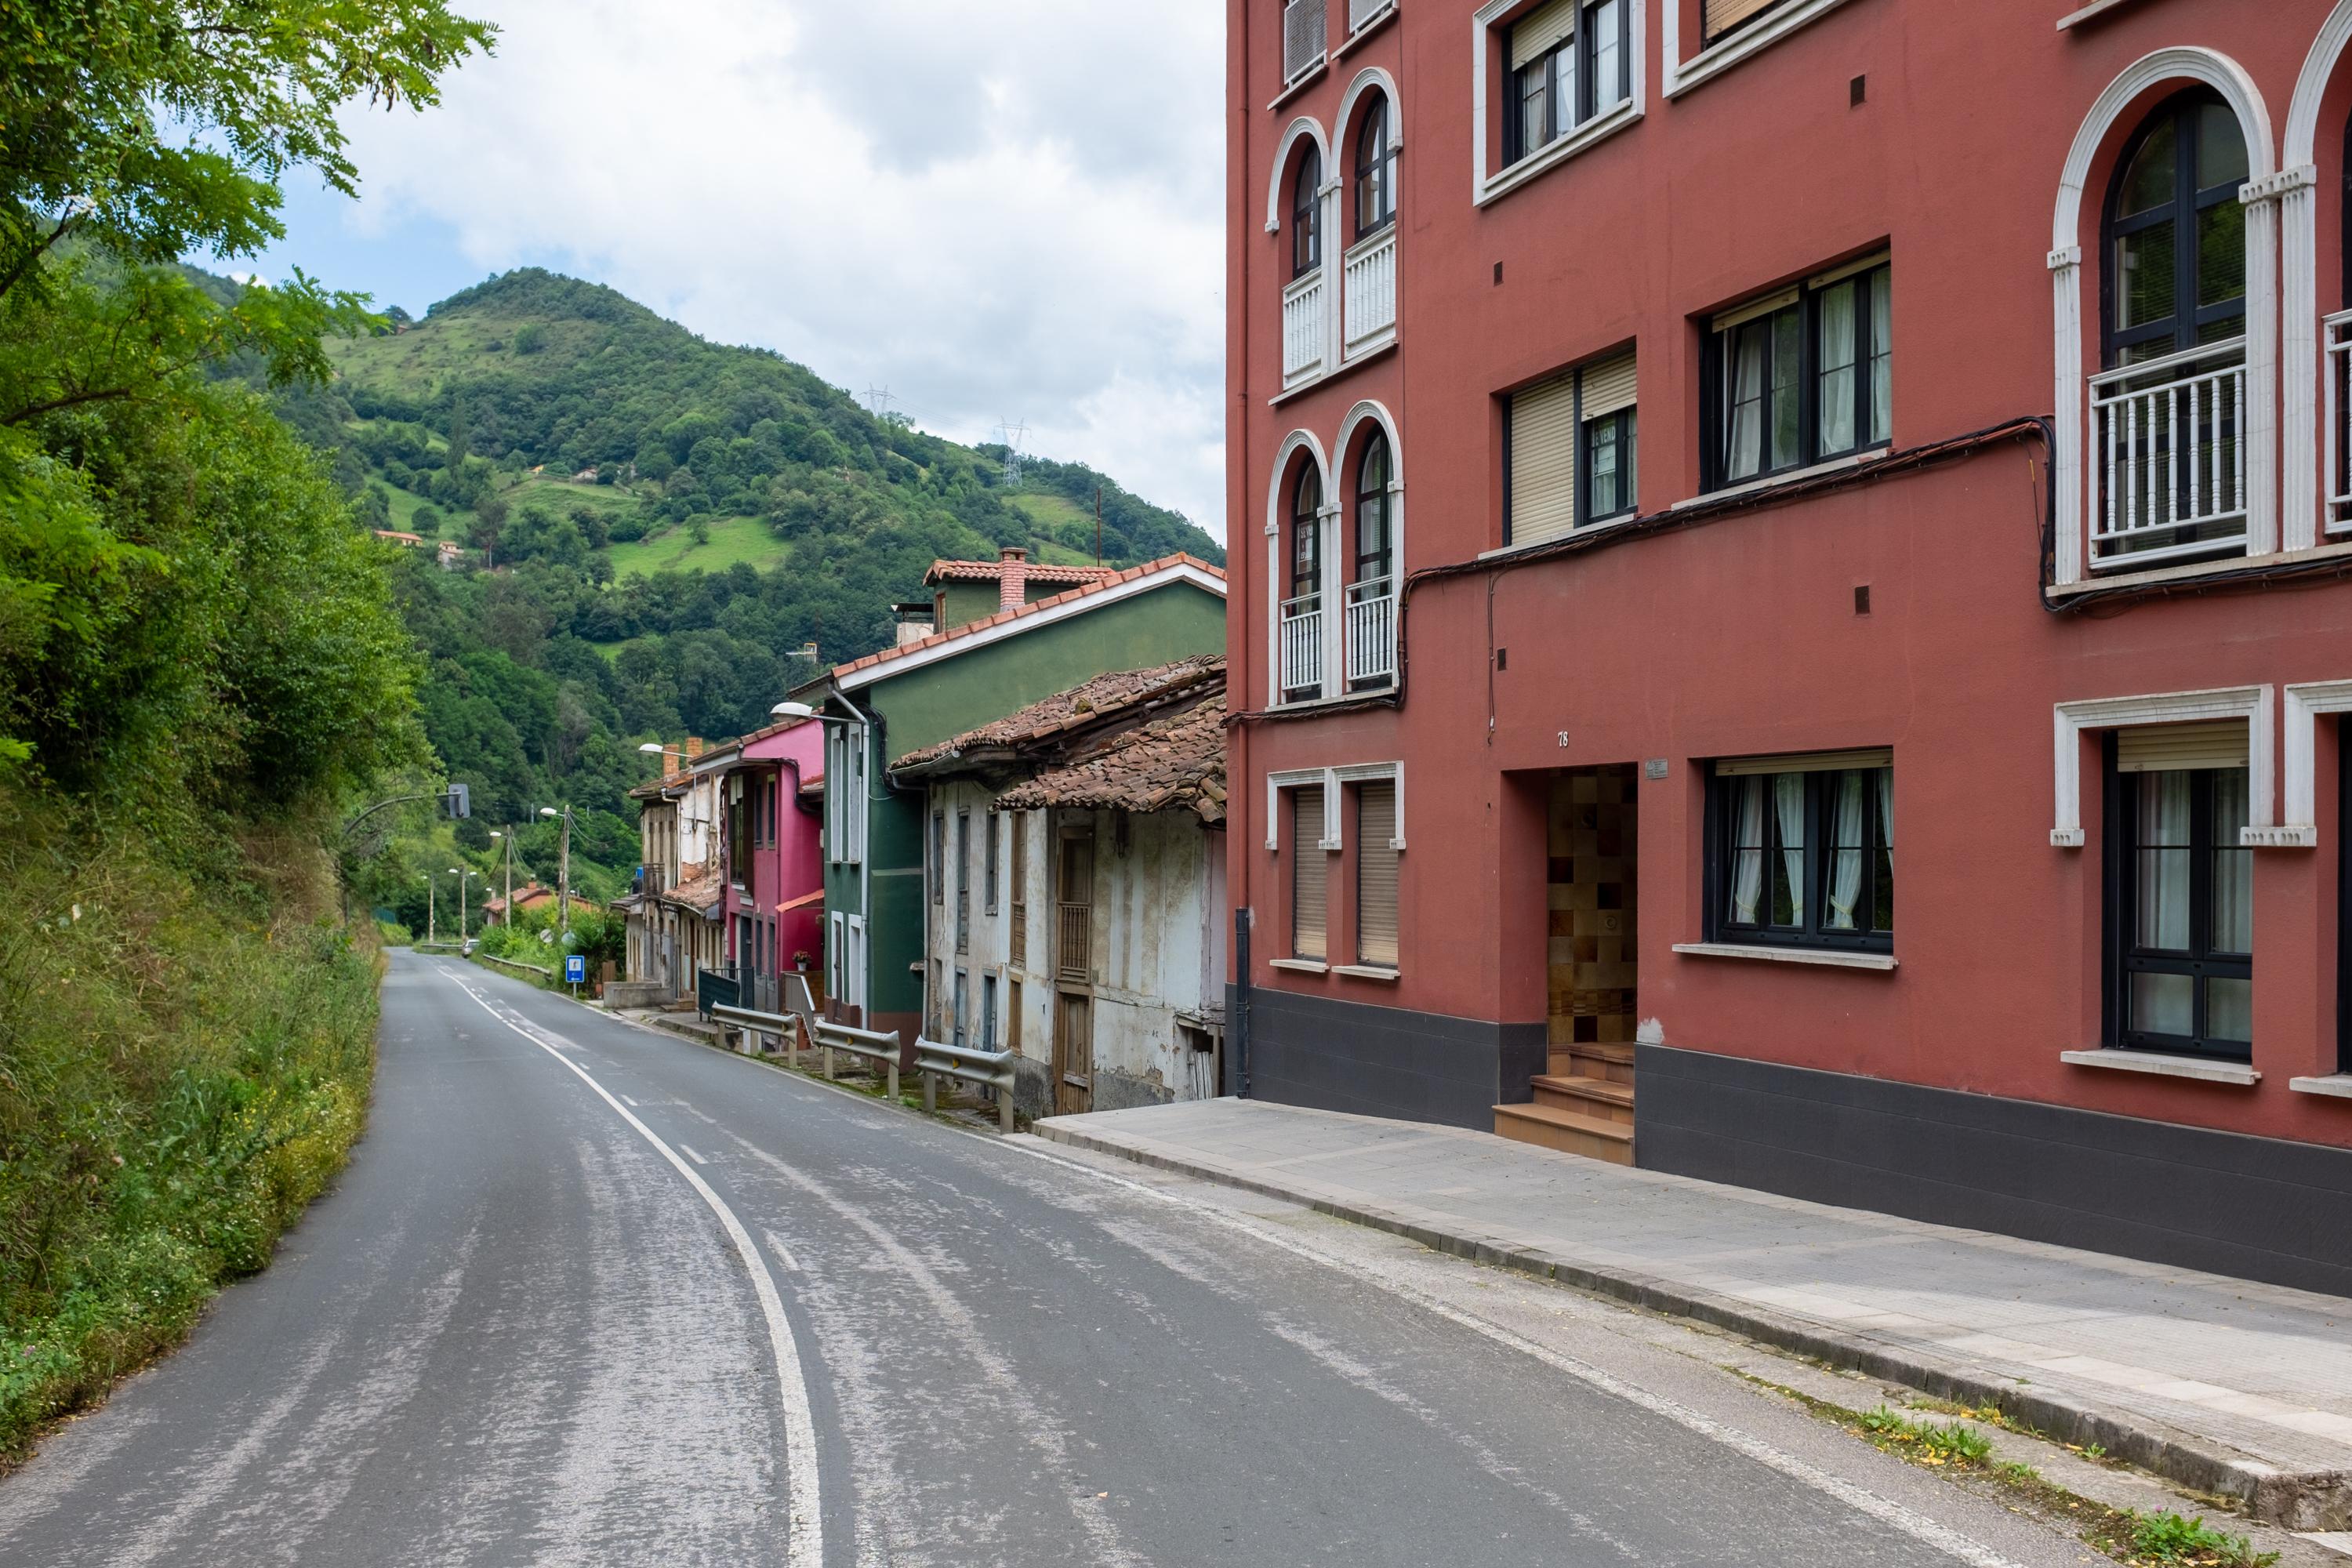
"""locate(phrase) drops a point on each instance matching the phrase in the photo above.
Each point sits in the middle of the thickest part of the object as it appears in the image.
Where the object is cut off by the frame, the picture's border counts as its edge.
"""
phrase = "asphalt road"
(590, 1294)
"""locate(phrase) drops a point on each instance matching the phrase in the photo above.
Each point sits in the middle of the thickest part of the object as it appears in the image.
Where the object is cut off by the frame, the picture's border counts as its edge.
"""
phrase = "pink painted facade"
(787, 869)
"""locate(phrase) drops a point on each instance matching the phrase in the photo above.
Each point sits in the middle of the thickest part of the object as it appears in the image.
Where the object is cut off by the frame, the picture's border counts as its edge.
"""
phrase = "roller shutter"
(2162, 748)
(1310, 874)
(1543, 461)
(1376, 874)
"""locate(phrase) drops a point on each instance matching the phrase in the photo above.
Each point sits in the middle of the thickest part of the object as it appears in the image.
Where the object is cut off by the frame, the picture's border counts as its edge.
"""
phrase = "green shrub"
(184, 1062)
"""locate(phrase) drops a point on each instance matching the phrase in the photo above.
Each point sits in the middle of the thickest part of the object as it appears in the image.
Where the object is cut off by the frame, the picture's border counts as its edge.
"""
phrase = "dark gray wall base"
(2256, 1208)
(1385, 1061)
(1125, 1091)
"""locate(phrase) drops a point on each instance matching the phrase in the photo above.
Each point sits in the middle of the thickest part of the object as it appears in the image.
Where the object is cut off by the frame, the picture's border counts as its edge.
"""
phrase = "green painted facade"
(959, 603)
(938, 701)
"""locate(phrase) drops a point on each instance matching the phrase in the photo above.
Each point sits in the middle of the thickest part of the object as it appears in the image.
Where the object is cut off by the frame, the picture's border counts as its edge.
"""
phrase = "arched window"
(1306, 536)
(2176, 267)
(1307, 214)
(1375, 528)
(1375, 170)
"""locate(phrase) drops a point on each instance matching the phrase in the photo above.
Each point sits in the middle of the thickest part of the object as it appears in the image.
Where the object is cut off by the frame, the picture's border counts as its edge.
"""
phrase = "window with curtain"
(1306, 213)
(1375, 535)
(2184, 933)
(1376, 874)
(1306, 536)
(1801, 850)
(1310, 874)
(2176, 251)
(1802, 376)
(1376, 162)
(1570, 451)
(1570, 61)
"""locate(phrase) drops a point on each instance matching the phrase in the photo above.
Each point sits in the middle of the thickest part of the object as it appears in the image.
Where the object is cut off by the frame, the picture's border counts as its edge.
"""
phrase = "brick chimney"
(1012, 580)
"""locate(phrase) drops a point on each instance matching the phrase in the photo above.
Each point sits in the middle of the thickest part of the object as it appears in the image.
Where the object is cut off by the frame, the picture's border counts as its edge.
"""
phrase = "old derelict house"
(1075, 888)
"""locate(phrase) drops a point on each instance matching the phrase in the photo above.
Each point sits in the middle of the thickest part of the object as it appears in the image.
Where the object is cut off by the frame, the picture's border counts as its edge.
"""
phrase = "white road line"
(804, 1545)
(632, 1104)
(693, 1155)
(1887, 1510)
(783, 1254)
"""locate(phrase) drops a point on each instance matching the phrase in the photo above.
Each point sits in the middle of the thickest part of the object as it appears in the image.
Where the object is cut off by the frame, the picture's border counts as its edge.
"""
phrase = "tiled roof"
(529, 893)
(699, 893)
(1179, 761)
(1091, 703)
(1035, 606)
(994, 572)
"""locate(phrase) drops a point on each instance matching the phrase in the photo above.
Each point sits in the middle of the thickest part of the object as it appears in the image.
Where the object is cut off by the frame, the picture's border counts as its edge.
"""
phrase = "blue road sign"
(575, 969)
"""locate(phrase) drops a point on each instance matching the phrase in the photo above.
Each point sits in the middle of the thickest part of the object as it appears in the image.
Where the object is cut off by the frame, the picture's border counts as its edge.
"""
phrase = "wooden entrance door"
(1074, 972)
(1073, 1053)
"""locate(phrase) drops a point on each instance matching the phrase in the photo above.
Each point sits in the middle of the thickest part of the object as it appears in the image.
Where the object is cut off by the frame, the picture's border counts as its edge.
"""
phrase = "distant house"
(980, 659)
(678, 924)
(452, 554)
(1075, 889)
(529, 896)
(406, 540)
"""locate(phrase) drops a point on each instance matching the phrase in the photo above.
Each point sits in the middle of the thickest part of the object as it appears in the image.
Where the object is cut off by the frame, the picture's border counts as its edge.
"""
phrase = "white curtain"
(2163, 912)
(1837, 372)
(1745, 448)
(1881, 357)
(1845, 879)
(2233, 867)
(1746, 862)
(1789, 806)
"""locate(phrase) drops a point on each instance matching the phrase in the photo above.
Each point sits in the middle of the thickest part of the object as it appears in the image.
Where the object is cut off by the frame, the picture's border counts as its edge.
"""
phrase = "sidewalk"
(2236, 1388)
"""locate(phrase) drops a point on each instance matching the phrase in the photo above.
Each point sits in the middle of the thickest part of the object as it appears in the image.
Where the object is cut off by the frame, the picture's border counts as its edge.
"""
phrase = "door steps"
(1584, 1105)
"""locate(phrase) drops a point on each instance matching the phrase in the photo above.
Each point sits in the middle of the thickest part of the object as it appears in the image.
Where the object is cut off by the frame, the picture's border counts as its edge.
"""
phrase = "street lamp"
(430, 939)
(508, 838)
(803, 711)
(461, 876)
(563, 875)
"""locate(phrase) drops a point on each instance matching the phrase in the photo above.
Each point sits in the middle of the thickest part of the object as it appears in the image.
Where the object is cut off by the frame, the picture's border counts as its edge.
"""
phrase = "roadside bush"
(184, 1060)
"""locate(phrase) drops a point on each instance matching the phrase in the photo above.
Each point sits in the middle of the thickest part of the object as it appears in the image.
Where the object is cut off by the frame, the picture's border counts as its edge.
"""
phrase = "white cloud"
(1004, 211)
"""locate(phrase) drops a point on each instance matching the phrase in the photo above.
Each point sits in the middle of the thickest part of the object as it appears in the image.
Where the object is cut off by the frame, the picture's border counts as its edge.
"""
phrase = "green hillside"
(670, 522)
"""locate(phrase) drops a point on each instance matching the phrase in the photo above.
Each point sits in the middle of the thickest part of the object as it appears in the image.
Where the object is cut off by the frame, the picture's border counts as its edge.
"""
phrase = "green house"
(979, 656)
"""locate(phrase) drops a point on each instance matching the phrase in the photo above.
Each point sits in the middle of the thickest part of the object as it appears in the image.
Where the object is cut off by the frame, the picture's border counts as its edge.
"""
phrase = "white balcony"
(1305, 35)
(1372, 292)
(1303, 304)
(1302, 647)
(1362, 14)
(2339, 421)
(2167, 458)
(1372, 633)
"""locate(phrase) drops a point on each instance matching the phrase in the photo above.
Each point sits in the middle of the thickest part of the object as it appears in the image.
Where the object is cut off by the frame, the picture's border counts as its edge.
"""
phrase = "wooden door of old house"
(1074, 972)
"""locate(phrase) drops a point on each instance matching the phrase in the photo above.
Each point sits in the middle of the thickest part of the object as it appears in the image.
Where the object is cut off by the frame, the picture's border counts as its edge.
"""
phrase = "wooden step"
(1592, 1059)
(1567, 1131)
(1586, 1096)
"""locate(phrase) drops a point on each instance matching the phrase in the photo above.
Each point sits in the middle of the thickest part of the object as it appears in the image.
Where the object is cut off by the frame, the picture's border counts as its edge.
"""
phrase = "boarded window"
(1309, 874)
(1376, 874)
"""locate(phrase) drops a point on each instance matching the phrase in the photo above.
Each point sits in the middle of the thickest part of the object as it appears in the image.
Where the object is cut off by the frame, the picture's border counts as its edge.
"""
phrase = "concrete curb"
(2302, 1500)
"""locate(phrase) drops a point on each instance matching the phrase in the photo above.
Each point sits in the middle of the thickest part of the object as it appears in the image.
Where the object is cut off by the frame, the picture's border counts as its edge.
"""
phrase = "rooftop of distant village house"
(1089, 704)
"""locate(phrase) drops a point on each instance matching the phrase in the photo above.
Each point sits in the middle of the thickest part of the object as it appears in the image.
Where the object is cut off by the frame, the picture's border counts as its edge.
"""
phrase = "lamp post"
(563, 874)
(430, 939)
(461, 876)
(508, 838)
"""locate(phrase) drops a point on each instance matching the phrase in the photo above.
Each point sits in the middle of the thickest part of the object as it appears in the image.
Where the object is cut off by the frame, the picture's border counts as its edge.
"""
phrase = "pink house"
(773, 799)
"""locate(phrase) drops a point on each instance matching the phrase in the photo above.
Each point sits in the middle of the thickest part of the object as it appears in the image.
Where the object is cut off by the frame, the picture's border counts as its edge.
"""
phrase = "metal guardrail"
(531, 969)
(884, 1048)
(992, 1068)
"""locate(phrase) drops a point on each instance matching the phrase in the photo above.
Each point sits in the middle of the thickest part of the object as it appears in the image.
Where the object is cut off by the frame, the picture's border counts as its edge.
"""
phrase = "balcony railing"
(2171, 468)
(2339, 421)
(1372, 633)
(1304, 37)
(1302, 330)
(1302, 646)
(1362, 14)
(1372, 290)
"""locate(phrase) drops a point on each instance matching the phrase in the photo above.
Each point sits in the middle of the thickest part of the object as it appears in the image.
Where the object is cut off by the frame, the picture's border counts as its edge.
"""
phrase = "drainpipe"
(1241, 1004)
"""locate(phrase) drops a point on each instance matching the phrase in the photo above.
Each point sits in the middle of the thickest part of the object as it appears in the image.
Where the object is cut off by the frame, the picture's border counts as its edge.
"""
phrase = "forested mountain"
(670, 522)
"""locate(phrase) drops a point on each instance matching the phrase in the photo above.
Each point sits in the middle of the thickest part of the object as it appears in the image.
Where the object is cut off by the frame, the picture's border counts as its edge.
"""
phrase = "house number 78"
(1563, 740)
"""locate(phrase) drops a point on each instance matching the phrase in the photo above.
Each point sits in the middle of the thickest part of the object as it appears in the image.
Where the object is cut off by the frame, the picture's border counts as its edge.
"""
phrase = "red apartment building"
(1817, 417)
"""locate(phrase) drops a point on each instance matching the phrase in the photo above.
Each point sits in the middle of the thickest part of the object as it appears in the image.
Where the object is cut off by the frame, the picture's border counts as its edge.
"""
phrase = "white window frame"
(2252, 704)
(1330, 779)
(1488, 184)
(2304, 355)
(2071, 462)
(1714, 60)
(2302, 703)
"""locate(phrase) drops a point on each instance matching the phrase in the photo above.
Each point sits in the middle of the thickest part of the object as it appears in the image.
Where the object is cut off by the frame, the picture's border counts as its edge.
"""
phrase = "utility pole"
(1098, 525)
(429, 927)
(563, 873)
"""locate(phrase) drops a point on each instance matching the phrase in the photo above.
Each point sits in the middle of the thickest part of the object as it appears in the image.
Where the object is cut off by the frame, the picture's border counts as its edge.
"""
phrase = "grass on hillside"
(184, 1064)
(733, 540)
(404, 508)
(1050, 510)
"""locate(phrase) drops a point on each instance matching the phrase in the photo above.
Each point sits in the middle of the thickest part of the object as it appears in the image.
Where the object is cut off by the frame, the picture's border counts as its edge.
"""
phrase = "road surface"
(592, 1294)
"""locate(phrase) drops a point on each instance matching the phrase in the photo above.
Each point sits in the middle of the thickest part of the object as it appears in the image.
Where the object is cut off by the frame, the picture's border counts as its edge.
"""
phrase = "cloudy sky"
(1009, 211)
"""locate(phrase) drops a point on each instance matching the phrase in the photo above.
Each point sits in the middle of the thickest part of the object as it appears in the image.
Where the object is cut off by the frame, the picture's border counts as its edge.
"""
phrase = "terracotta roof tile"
(1179, 761)
(1166, 564)
(1089, 702)
(994, 572)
